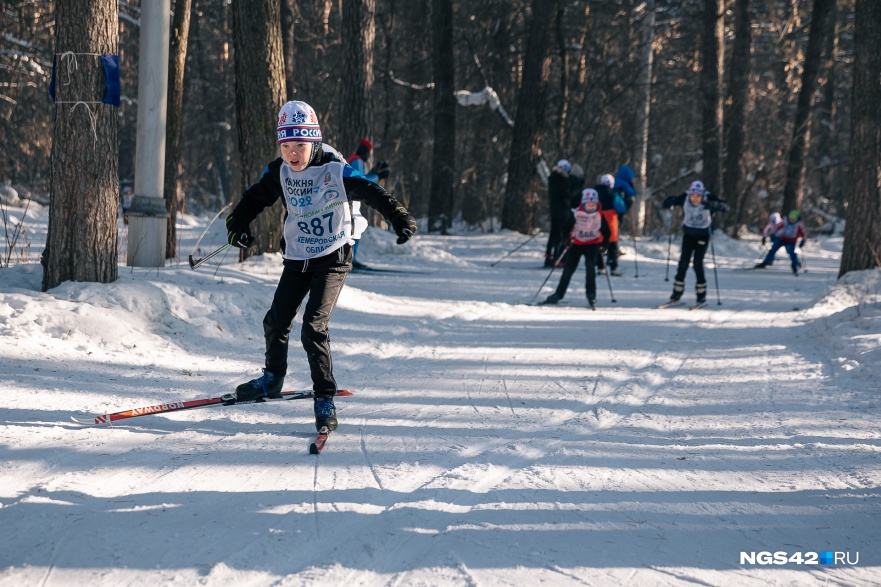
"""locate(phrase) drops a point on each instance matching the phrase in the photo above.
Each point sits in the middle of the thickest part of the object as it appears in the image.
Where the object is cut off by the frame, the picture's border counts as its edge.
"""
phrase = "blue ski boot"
(325, 413)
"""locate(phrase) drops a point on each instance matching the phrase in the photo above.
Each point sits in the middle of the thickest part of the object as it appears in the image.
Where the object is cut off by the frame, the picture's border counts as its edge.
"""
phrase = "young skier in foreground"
(317, 188)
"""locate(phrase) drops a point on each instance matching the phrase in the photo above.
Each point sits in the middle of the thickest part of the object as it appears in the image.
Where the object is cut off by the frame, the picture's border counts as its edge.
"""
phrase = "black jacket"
(268, 189)
(558, 194)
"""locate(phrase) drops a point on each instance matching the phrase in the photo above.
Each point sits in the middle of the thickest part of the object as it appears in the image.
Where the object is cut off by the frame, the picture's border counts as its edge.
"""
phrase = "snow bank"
(848, 321)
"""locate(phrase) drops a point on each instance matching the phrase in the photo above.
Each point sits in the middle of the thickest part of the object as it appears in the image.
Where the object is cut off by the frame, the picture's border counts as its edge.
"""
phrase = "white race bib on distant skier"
(696, 216)
(790, 230)
(587, 226)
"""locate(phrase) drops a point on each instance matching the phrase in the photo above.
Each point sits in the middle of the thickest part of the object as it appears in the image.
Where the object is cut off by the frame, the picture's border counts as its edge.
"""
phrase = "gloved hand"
(764, 240)
(238, 233)
(801, 245)
(403, 223)
(381, 169)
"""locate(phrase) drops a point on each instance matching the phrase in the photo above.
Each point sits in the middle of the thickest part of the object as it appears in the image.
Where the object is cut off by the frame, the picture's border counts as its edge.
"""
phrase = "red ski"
(318, 444)
(192, 404)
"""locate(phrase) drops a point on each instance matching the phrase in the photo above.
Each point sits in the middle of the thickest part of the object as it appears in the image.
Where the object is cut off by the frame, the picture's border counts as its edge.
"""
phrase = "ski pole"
(551, 273)
(635, 252)
(635, 261)
(764, 254)
(669, 244)
(195, 263)
(715, 274)
(609, 281)
(515, 250)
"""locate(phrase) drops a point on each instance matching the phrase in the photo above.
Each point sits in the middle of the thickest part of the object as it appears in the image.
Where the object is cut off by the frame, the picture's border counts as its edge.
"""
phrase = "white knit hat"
(697, 187)
(564, 165)
(297, 122)
(590, 196)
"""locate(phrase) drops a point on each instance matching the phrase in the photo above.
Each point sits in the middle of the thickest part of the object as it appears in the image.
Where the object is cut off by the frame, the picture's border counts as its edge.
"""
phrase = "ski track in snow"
(487, 443)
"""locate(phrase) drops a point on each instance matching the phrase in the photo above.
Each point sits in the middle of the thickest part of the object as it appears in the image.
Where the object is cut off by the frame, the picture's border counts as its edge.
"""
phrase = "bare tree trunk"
(801, 132)
(81, 243)
(863, 232)
(826, 120)
(177, 59)
(356, 91)
(735, 120)
(564, 80)
(288, 17)
(443, 170)
(259, 68)
(644, 86)
(712, 68)
(521, 190)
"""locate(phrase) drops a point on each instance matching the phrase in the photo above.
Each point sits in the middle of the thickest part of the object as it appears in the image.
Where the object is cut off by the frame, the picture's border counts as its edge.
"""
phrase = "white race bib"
(587, 226)
(696, 216)
(319, 220)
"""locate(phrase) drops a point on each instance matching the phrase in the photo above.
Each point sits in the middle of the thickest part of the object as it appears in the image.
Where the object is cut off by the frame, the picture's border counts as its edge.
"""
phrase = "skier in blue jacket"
(358, 160)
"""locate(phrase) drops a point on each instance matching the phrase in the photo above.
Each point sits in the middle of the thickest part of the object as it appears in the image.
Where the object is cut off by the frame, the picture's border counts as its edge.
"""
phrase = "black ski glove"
(764, 240)
(381, 169)
(801, 245)
(238, 233)
(403, 223)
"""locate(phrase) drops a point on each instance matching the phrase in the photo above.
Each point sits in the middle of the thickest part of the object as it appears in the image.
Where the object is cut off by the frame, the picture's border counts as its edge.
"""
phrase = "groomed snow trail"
(488, 442)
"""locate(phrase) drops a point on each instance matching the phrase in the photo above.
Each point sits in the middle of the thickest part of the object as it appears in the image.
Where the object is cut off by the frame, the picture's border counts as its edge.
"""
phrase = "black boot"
(268, 385)
(701, 290)
(552, 299)
(678, 290)
(325, 413)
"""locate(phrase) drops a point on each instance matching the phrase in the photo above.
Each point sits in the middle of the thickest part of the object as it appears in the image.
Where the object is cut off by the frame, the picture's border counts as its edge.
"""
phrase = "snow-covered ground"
(489, 442)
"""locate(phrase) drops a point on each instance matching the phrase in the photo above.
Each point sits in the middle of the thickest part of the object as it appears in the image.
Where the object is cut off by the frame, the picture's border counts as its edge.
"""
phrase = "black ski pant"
(612, 256)
(322, 279)
(589, 252)
(697, 246)
(555, 241)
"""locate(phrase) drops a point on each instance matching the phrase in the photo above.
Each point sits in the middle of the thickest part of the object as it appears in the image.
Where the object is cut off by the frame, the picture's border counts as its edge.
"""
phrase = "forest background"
(754, 97)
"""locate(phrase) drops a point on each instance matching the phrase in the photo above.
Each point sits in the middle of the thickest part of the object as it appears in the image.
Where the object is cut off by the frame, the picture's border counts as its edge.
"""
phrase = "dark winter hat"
(363, 149)
(297, 122)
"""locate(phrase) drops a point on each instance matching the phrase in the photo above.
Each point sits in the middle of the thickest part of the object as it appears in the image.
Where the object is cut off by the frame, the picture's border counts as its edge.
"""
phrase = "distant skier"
(586, 226)
(612, 205)
(358, 160)
(558, 207)
(317, 188)
(698, 207)
(791, 230)
(624, 187)
(771, 231)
